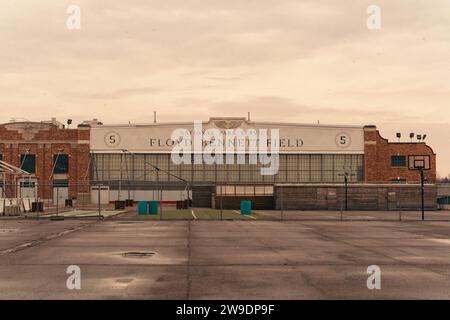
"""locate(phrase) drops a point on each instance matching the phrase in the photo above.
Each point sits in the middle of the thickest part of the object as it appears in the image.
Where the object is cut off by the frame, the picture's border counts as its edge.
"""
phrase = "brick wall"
(45, 140)
(359, 197)
(377, 159)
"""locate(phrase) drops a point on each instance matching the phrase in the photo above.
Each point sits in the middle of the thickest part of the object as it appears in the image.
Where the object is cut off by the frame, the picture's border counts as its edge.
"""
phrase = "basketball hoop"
(419, 162)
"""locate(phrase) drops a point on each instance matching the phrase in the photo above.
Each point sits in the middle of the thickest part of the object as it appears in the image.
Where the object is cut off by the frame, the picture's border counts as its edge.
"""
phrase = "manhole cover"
(138, 254)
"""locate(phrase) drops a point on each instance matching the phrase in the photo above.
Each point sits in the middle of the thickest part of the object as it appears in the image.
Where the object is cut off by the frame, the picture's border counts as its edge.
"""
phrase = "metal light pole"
(158, 192)
(120, 179)
(99, 205)
(346, 191)
(346, 174)
(161, 201)
(221, 208)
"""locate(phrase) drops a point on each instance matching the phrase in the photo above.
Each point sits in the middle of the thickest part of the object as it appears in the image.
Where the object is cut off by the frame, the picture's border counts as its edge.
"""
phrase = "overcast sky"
(282, 60)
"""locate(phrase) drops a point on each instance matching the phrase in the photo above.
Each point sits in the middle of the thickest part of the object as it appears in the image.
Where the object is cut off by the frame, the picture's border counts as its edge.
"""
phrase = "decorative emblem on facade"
(27, 129)
(28, 132)
(228, 124)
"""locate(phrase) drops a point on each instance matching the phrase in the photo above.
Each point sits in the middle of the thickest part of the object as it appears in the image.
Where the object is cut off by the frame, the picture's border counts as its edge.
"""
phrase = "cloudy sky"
(282, 60)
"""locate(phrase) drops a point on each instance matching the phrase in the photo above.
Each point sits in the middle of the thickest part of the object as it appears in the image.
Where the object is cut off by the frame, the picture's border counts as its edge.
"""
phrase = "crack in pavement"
(39, 241)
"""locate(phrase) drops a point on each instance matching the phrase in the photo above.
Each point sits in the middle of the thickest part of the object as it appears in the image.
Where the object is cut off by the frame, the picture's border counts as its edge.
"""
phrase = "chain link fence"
(59, 199)
(164, 201)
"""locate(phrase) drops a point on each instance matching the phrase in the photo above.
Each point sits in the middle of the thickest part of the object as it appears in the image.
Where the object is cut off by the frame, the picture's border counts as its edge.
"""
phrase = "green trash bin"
(246, 207)
(142, 207)
(153, 207)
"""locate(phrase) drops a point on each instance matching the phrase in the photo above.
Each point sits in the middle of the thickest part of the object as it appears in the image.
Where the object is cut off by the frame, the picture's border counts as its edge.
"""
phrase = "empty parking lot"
(246, 259)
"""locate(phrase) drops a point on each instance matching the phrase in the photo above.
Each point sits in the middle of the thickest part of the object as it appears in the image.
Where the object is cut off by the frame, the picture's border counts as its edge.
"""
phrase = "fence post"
(57, 201)
(161, 208)
(221, 206)
(281, 203)
(99, 203)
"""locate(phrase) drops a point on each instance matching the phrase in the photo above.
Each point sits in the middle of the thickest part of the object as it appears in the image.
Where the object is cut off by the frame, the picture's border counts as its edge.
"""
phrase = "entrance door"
(27, 193)
(104, 194)
(60, 195)
(27, 189)
(60, 192)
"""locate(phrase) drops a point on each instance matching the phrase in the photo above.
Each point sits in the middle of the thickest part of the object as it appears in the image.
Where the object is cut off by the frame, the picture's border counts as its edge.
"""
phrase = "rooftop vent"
(88, 123)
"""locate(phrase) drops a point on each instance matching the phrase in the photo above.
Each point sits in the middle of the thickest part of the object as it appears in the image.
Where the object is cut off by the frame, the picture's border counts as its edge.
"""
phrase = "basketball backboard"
(419, 162)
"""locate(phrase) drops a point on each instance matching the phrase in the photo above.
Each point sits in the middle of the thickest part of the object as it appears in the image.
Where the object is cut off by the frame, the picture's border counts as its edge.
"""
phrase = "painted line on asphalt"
(244, 215)
(193, 214)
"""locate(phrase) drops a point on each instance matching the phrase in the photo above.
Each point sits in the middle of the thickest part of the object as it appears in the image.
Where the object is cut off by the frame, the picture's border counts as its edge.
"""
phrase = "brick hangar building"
(132, 161)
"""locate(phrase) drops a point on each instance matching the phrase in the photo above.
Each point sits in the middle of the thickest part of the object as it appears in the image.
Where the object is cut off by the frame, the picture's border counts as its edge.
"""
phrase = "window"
(398, 161)
(61, 163)
(259, 190)
(240, 190)
(1, 157)
(268, 190)
(230, 190)
(28, 162)
(249, 190)
(303, 168)
(244, 190)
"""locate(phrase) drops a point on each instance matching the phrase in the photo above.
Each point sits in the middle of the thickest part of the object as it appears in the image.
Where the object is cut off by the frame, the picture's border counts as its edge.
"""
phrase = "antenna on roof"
(248, 116)
(154, 116)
